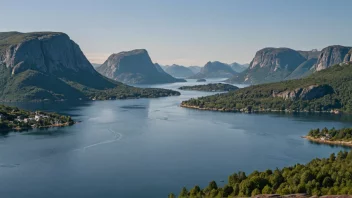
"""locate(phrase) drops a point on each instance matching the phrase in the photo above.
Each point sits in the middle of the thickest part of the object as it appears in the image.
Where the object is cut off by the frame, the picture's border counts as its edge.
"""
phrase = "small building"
(37, 118)
(2, 117)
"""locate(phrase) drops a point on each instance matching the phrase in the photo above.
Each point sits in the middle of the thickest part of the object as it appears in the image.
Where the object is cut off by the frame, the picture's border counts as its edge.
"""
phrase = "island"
(13, 118)
(327, 176)
(201, 80)
(333, 136)
(211, 87)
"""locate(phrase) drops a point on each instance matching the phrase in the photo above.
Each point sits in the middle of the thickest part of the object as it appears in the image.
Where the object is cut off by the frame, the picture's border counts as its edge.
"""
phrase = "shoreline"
(330, 142)
(255, 111)
(19, 129)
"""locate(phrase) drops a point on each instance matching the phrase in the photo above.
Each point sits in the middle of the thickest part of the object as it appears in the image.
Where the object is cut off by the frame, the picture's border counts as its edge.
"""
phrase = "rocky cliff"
(134, 67)
(49, 52)
(215, 69)
(331, 55)
(270, 65)
(50, 66)
(178, 71)
(308, 93)
(348, 57)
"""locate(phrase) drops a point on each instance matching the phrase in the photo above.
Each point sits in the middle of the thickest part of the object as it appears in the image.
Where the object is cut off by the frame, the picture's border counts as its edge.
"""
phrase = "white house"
(37, 117)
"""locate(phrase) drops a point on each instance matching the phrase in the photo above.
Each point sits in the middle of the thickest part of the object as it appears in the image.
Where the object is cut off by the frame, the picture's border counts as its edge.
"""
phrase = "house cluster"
(326, 137)
(36, 118)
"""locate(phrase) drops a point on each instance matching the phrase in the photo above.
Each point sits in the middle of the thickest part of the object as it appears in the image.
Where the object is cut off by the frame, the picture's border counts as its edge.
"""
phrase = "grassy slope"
(260, 96)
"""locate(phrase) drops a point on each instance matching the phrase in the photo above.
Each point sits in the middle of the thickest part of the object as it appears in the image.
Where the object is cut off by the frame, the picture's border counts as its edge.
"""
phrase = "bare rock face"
(348, 57)
(51, 53)
(308, 93)
(134, 67)
(332, 55)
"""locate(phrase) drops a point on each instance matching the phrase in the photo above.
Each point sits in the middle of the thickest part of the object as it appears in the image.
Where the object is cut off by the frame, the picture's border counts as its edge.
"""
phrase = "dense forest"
(326, 90)
(327, 176)
(210, 87)
(333, 134)
(15, 118)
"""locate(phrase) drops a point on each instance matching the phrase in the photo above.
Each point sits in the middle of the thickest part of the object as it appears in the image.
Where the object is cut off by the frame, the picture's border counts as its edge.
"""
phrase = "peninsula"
(333, 136)
(13, 118)
(211, 87)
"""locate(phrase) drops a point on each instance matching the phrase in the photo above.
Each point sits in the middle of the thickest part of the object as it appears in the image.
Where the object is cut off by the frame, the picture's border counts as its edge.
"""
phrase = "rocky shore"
(331, 142)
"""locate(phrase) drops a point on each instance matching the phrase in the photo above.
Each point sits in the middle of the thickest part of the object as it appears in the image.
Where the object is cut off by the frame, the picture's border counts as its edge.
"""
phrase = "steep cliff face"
(330, 56)
(178, 71)
(270, 65)
(134, 67)
(348, 57)
(308, 93)
(215, 69)
(52, 53)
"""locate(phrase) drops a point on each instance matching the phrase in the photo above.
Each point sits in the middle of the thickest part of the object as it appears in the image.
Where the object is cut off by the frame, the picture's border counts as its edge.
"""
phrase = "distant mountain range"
(238, 67)
(178, 71)
(215, 69)
(134, 67)
(50, 66)
(277, 64)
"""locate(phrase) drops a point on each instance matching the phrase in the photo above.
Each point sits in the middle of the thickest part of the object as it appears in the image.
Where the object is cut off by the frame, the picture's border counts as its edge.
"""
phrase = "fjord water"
(150, 147)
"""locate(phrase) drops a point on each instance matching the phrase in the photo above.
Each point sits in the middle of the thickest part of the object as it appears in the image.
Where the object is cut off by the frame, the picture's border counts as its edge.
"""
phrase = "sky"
(185, 32)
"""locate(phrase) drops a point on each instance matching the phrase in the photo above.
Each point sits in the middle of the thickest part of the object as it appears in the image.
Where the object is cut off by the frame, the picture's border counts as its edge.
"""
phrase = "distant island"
(13, 118)
(201, 80)
(332, 136)
(327, 176)
(210, 87)
(328, 90)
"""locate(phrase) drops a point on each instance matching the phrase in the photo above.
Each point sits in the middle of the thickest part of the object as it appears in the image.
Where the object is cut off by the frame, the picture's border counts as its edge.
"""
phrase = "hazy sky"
(188, 32)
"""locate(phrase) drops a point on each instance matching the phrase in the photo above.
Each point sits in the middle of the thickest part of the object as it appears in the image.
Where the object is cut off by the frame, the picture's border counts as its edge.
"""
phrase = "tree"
(267, 190)
(184, 193)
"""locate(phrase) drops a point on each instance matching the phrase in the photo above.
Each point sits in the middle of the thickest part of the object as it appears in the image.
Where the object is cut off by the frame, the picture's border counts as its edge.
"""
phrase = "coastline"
(256, 111)
(330, 142)
(18, 129)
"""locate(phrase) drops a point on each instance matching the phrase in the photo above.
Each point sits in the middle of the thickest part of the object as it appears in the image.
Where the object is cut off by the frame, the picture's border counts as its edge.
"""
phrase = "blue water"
(150, 147)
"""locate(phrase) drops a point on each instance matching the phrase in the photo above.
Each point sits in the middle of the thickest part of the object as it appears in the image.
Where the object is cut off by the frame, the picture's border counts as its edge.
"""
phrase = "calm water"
(150, 147)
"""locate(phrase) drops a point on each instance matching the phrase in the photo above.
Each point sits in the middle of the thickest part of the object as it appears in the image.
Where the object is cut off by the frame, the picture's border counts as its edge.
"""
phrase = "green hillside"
(325, 90)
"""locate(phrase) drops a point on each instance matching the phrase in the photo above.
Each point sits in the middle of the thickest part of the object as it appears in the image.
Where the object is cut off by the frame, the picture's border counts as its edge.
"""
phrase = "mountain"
(195, 69)
(96, 65)
(134, 67)
(331, 55)
(328, 90)
(50, 66)
(270, 65)
(215, 69)
(178, 71)
(238, 67)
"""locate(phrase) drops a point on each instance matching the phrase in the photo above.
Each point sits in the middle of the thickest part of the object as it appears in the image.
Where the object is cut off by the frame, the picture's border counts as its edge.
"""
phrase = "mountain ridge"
(134, 67)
